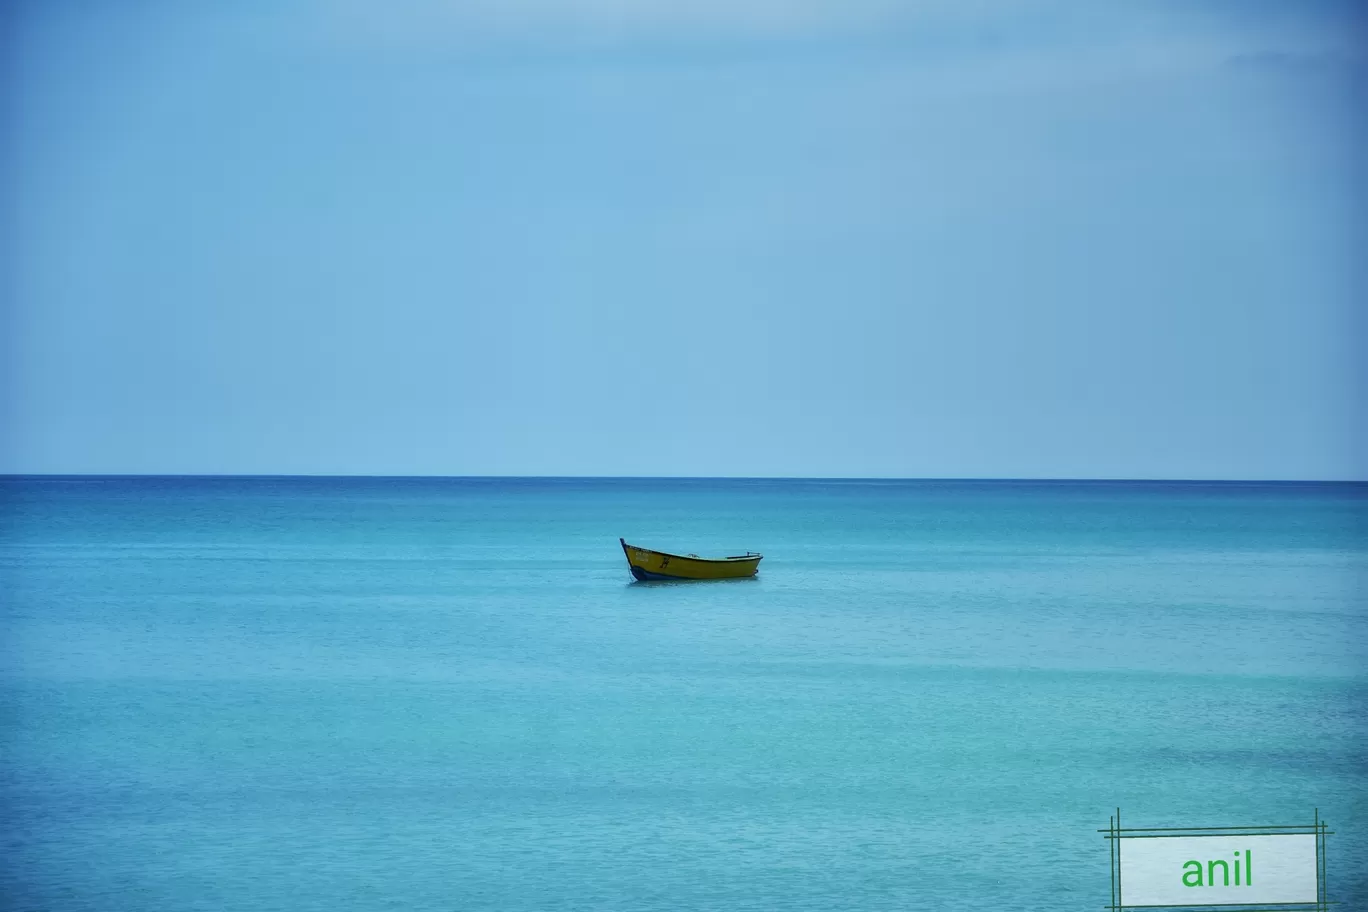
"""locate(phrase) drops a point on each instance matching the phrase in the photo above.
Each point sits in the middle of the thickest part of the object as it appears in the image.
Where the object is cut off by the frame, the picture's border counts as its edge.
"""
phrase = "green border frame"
(1114, 833)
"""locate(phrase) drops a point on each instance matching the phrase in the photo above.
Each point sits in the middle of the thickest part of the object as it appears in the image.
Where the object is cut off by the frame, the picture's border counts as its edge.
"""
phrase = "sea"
(304, 693)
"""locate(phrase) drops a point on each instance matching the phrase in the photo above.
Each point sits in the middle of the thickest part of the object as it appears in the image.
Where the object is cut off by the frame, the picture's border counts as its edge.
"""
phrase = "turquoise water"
(300, 694)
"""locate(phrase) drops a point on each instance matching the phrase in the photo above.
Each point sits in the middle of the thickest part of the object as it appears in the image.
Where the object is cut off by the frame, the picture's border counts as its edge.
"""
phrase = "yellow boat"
(657, 565)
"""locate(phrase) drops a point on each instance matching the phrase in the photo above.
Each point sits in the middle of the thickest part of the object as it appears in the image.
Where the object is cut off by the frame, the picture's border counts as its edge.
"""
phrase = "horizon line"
(832, 478)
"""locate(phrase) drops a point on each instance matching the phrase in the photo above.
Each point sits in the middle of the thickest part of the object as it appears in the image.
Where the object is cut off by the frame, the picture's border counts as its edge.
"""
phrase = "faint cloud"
(1284, 60)
(616, 20)
(1147, 30)
(1349, 71)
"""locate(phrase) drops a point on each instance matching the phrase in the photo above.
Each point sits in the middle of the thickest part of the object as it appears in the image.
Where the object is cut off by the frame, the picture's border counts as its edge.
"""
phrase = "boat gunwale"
(704, 560)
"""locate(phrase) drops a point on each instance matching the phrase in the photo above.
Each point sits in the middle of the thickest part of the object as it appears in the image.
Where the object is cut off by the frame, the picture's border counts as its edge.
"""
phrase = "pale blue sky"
(1034, 239)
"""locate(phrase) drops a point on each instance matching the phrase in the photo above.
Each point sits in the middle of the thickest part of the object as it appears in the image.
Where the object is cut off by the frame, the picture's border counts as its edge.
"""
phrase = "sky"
(950, 238)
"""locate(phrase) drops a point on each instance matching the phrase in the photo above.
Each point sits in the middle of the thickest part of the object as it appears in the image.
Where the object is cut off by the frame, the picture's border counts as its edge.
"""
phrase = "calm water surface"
(446, 694)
